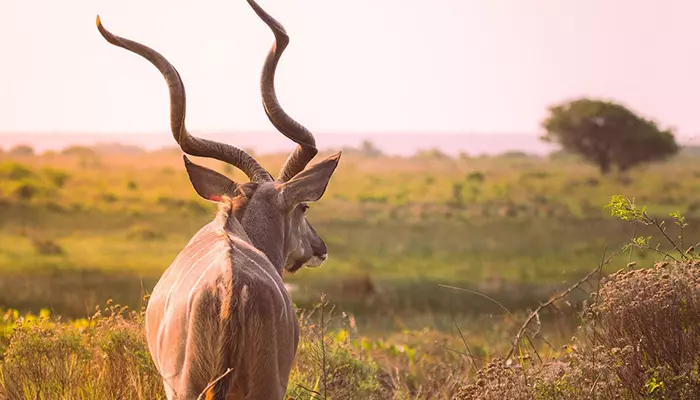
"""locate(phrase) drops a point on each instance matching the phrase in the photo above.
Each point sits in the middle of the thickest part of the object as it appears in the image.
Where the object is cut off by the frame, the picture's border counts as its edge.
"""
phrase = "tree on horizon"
(607, 134)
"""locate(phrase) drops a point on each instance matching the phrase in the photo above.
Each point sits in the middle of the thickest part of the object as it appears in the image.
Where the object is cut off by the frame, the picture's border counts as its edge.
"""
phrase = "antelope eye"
(303, 207)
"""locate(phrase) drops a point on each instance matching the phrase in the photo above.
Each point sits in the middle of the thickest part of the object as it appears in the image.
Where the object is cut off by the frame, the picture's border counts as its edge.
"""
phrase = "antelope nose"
(323, 257)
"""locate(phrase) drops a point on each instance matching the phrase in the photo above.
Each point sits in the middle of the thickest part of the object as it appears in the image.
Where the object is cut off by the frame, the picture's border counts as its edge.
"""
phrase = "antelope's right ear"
(311, 183)
(208, 183)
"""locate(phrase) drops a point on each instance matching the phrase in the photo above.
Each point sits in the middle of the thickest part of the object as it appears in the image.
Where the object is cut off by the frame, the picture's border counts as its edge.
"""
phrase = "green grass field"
(79, 228)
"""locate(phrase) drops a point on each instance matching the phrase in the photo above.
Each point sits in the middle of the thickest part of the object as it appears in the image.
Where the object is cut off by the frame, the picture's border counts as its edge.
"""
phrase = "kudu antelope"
(221, 305)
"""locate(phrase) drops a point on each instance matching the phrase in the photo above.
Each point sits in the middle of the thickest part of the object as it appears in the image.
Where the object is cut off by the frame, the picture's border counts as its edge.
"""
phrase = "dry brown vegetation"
(639, 339)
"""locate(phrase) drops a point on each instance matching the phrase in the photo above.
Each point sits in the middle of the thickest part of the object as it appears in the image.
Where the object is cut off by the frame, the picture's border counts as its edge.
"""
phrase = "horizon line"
(258, 131)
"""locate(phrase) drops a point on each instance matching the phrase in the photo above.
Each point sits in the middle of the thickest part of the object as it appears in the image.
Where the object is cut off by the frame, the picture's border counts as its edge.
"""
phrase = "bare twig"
(663, 232)
(542, 338)
(466, 346)
(532, 344)
(663, 253)
(478, 294)
(550, 301)
(582, 290)
(461, 353)
(315, 393)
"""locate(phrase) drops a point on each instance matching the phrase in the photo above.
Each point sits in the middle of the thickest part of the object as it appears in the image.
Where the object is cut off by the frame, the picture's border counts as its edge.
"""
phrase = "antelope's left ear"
(310, 184)
(208, 183)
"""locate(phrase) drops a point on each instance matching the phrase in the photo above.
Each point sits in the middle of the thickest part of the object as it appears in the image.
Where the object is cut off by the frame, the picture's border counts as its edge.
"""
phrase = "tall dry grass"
(104, 357)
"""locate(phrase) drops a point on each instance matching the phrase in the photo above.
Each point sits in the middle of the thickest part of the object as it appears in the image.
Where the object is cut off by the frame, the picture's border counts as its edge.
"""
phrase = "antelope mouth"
(313, 262)
(295, 267)
(316, 261)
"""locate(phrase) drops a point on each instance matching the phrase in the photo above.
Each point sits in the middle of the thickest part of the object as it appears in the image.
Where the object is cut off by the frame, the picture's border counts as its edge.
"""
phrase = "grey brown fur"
(221, 305)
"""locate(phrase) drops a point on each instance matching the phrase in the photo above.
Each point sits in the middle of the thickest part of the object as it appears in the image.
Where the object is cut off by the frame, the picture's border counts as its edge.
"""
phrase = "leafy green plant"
(625, 209)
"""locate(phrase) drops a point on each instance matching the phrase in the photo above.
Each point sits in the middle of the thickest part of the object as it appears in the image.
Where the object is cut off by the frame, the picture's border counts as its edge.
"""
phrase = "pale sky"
(352, 66)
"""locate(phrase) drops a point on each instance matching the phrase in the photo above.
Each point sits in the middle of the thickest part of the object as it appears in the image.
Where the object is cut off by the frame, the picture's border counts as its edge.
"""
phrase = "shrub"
(56, 176)
(15, 171)
(140, 232)
(25, 184)
(476, 176)
(31, 188)
(21, 151)
(430, 154)
(104, 357)
(649, 320)
(47, 247)
(108, 197)
(26, 191)
(169, 201)
(641, 341)
(80, 151)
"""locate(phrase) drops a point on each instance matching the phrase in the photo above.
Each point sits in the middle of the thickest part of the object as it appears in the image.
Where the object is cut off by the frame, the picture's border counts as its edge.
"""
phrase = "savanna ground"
(435, 264)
